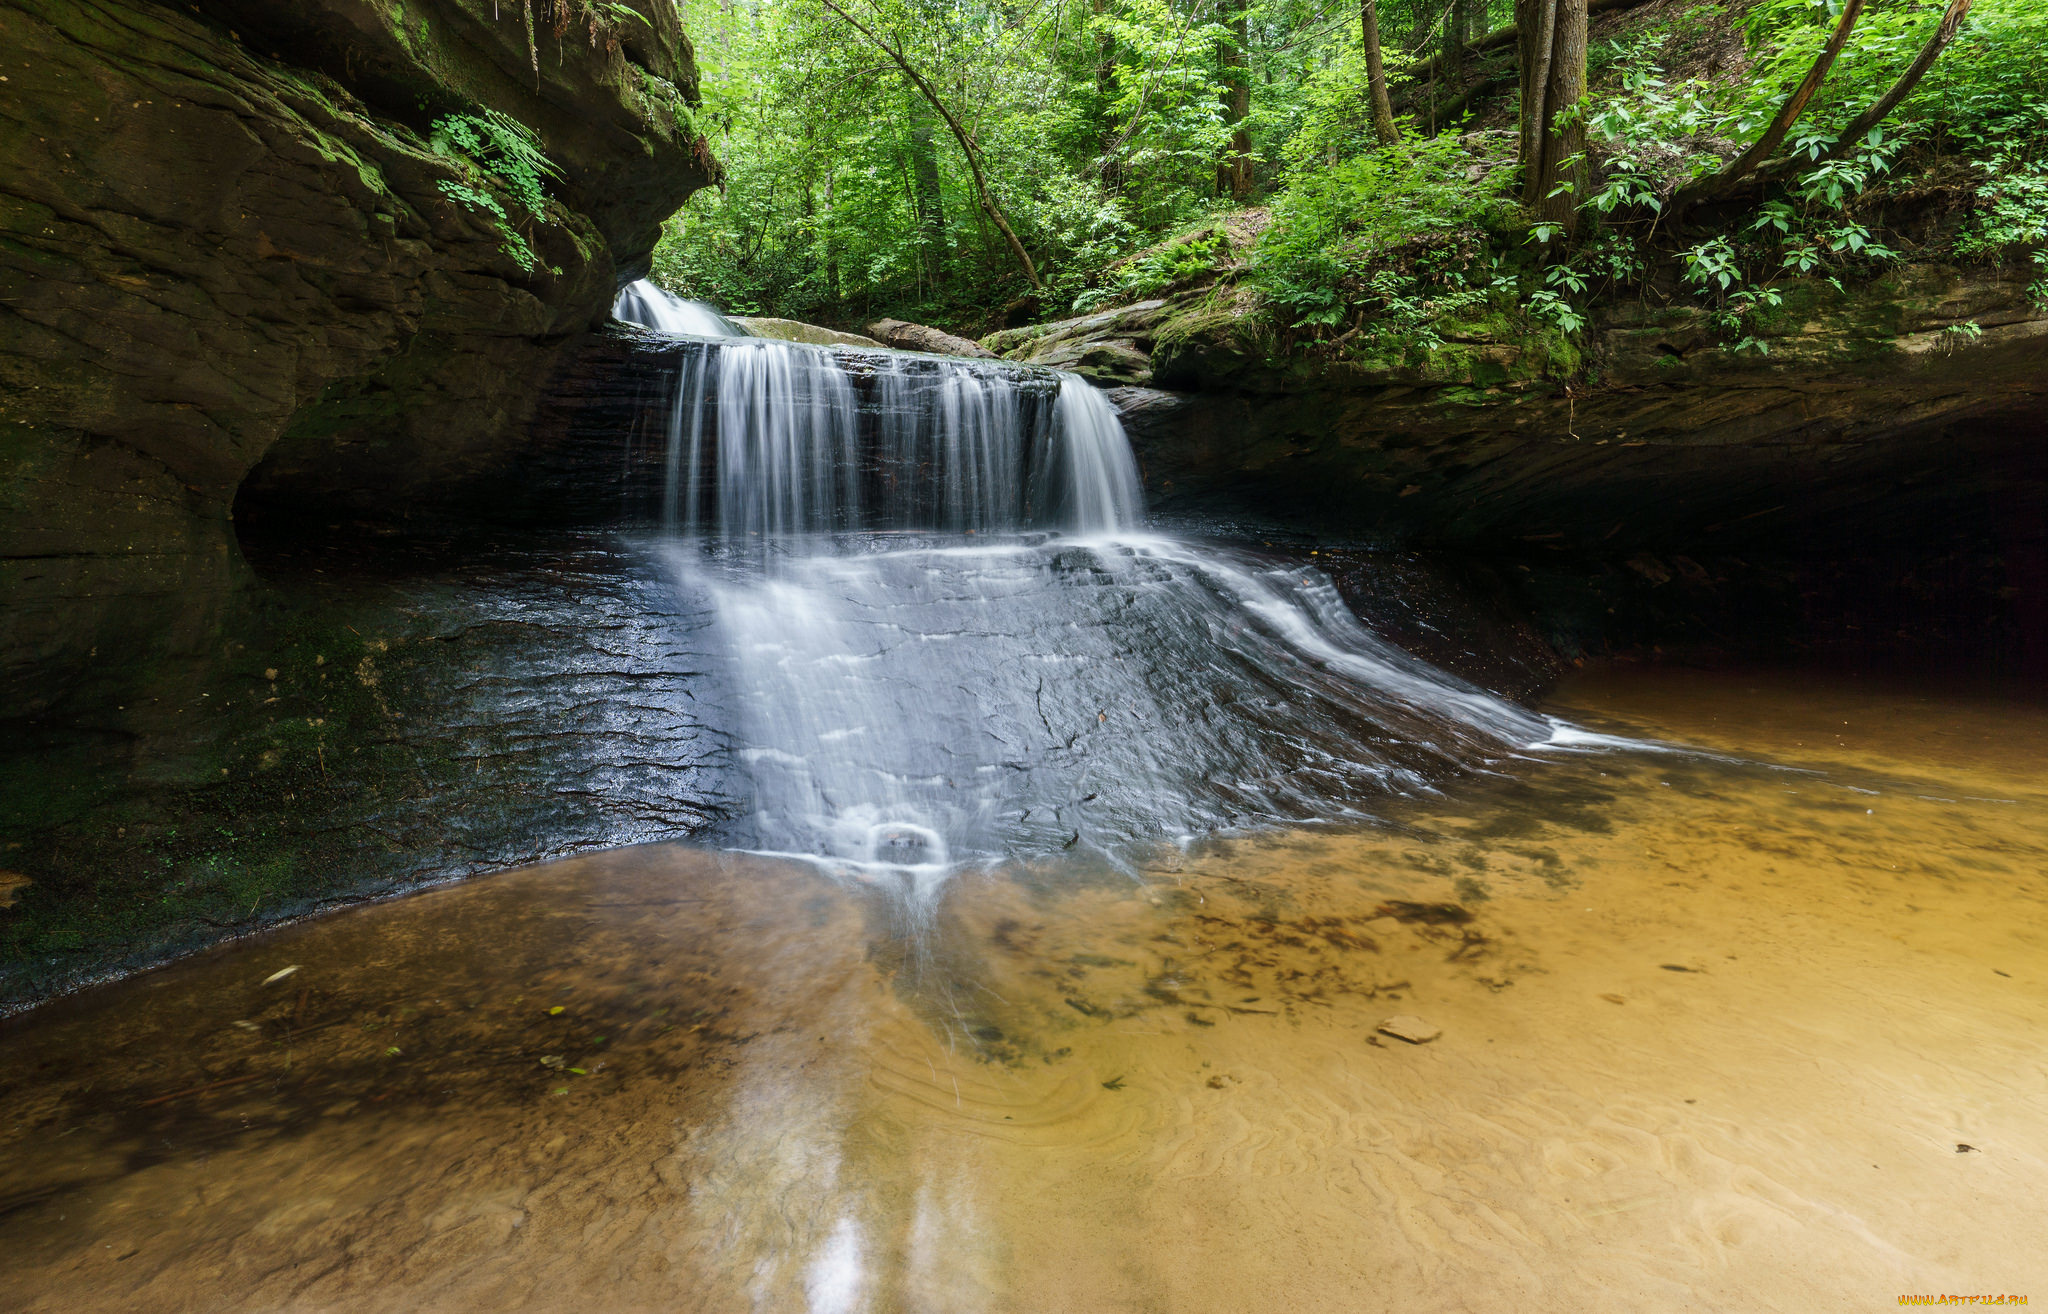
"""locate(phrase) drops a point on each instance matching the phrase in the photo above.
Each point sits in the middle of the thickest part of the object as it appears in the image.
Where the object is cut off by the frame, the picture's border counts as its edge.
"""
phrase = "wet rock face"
(377, 724)
(597, 451)
(227, 241)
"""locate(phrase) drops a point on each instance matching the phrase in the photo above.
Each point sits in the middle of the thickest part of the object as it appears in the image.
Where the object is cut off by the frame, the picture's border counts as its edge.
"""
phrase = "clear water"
(1715, 1035)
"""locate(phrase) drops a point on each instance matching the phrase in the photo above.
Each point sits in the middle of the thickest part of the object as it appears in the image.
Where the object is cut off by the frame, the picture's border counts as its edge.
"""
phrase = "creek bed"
(1755, 1023)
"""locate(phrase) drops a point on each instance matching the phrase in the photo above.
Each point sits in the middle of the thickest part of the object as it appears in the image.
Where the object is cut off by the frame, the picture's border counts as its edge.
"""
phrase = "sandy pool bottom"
(1759, 1028)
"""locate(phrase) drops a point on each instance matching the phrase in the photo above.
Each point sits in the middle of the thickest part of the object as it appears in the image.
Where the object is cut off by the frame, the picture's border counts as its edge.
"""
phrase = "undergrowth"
(1390, 243)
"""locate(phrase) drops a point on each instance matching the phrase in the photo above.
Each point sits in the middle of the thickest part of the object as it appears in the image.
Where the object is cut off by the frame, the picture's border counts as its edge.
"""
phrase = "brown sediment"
(1166, 1096)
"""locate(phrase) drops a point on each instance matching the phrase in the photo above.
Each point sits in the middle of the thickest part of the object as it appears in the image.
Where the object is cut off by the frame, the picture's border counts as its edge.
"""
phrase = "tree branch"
(1944, 32)
(1500, 38)
(988, 201)
(1788, 113)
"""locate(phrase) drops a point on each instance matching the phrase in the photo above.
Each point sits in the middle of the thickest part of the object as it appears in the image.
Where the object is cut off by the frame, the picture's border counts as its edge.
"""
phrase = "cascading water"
(645, 304)
(951, 640)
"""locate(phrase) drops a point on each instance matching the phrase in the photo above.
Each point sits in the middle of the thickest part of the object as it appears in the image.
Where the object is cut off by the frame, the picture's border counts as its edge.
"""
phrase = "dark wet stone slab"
(389, 718)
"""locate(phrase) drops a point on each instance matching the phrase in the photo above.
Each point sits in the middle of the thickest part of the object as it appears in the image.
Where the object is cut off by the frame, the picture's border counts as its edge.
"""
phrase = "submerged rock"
(1410, 1028)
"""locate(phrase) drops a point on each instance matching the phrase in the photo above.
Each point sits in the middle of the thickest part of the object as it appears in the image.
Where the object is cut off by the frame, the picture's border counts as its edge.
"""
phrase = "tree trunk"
(1460, 31)
(1553, 61)
(1506, 36)
(929, 203)
(1788, 114)
(831, 242)
(1944, 32)
(1105, 92)
(1234, 170)
(1564, 149)
(1449, 111)
(1383, 128)
(1536, 21)
(960, 134)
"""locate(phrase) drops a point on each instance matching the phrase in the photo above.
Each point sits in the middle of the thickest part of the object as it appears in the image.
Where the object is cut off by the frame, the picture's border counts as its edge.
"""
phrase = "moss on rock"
(227, 221)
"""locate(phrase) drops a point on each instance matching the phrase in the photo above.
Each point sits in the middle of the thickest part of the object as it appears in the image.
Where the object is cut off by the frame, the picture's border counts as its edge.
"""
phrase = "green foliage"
(504, 158)
(1653, 137)
(1813, 233)
(1334, 120)
(1398, 235)
(1175, 262)
(1100, 128)
(2012, 216)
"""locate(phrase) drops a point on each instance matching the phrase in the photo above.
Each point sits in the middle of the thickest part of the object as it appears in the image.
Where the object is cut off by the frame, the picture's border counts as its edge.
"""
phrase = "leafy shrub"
(1400, 230)
(1176, 261)
(500, 154)
(2012, 214)
(1652, 137)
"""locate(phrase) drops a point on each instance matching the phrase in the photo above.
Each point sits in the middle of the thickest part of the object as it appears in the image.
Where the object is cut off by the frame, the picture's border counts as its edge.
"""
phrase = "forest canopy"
(1346, 165)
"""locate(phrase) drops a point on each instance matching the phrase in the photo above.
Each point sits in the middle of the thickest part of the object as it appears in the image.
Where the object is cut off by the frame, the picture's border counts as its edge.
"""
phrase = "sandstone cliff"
(234, 237)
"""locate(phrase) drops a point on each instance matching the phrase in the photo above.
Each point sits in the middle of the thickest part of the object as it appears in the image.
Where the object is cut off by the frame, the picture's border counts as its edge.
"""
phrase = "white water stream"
(951, 638)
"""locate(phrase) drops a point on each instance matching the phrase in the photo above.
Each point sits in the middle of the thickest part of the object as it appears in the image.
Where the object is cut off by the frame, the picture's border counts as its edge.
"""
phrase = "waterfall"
(949, 637)
(774, 441)
(645, 304)
(1104, 475)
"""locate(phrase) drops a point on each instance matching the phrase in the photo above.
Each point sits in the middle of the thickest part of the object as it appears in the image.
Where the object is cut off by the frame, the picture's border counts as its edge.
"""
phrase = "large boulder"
(795, 330)
(233, 239)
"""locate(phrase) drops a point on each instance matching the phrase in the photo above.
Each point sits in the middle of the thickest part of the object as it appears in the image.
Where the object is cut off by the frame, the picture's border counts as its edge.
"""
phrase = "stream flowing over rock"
(232, 245)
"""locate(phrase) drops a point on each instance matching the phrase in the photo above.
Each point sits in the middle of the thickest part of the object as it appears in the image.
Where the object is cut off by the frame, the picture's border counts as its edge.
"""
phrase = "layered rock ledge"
(231, 248)
(1916, 400)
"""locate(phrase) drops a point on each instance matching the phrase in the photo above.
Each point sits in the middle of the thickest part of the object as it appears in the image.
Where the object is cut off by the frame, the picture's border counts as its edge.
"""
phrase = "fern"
(500, 149)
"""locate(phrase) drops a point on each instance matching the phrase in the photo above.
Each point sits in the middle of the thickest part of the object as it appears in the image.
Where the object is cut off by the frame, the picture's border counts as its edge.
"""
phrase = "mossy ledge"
(1913, 403)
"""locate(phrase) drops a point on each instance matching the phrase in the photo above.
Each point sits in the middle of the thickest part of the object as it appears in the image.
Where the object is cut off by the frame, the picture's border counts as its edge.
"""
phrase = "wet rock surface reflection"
(388, 719)
(1710, 1032)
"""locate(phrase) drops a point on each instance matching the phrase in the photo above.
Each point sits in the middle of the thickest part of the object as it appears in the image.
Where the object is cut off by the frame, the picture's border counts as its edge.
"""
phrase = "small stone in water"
(1408, 1027)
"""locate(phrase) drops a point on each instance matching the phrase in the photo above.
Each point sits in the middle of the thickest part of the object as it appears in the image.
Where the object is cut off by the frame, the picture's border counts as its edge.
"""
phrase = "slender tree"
(1234, 170)
(1552, 48)
(1105, 95)
(1376, 74)
(831, 239)
(960, 134)
(928, 205)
